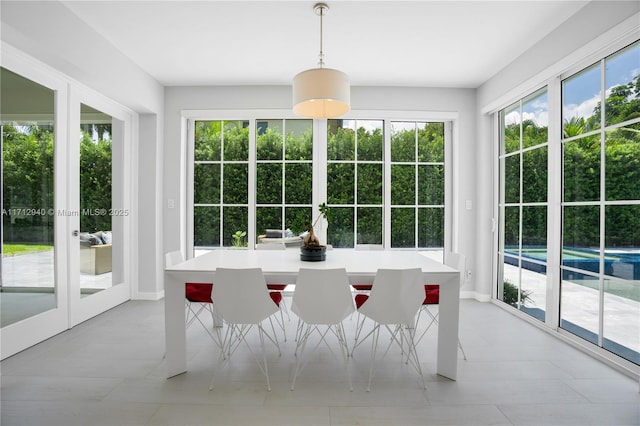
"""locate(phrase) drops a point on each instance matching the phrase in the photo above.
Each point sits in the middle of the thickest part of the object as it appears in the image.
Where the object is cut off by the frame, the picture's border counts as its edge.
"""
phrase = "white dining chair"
(244, 302)
(322, 300)
(396, 296)
(277, 287)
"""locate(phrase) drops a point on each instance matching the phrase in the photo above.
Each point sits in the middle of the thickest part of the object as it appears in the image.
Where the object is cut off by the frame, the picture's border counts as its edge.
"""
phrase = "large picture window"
(383, 180)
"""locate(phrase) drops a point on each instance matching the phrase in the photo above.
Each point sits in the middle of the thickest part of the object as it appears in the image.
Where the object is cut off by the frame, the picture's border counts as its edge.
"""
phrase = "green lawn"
(13, 249)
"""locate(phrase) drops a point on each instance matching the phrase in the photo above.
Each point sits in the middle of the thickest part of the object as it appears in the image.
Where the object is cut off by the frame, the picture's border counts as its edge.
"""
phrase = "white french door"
(66, 167)
(33, 295)
(100, 210)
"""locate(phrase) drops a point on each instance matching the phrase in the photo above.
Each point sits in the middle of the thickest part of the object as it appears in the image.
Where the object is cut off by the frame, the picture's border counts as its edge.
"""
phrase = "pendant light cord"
(321, 56)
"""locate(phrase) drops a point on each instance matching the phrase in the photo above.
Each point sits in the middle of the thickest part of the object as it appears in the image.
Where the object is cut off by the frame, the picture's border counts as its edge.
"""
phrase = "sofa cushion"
(107, 237)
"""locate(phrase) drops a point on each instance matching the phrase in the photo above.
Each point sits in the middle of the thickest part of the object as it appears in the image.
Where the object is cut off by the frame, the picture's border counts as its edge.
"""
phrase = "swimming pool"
(618, 263)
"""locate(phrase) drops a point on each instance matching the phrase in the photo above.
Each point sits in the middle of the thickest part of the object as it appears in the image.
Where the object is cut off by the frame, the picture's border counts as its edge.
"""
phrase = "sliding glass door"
(523, 250)
(569, 206)
(600, 288)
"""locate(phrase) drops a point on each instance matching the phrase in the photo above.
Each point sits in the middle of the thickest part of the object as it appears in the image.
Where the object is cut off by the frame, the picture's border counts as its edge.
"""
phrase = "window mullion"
(251, 190)
(603, 165)
(386, 173)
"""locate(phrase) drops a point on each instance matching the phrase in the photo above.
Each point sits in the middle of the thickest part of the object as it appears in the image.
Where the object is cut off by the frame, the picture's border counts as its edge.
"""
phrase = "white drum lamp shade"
(321, 93)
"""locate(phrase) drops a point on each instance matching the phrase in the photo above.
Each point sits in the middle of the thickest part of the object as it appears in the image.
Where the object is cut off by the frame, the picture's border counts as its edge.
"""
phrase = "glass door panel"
(98, 174)
(96, 206)
(523, 205)
(600, 293)
(28, 285)
(33, 299)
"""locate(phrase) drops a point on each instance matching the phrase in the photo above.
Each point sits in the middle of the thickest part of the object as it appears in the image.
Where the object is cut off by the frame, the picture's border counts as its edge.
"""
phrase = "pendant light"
(321, 92)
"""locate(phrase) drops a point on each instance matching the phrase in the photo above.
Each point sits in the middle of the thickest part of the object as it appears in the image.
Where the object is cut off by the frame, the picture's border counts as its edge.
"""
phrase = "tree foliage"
(95, 179)
(583, 166)
(28, 181)
(284, 173)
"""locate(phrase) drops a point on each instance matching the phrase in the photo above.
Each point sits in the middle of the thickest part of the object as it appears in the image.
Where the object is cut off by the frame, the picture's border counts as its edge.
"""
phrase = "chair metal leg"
(434, 320)
(338, 331)
(301, 344)
(283, 308)
(231, 343)
(397, 336)
(374, 346)
(359, 325)
(264, 356)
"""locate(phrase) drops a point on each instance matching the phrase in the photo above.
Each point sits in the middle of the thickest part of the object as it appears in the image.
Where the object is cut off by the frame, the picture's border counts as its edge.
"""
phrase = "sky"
(581, 92)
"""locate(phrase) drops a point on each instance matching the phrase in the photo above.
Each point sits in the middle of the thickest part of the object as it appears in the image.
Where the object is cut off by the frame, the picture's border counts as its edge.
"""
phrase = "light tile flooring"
(110, 371)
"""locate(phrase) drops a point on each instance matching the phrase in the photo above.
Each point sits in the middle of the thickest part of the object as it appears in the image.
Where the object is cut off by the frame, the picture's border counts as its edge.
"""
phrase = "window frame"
(319, 179)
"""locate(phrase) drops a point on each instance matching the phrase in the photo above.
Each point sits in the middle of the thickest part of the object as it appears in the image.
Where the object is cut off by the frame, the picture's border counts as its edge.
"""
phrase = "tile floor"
(109, 371)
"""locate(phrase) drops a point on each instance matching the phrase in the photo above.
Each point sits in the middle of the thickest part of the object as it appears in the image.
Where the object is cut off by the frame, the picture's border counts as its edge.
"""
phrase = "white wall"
(590, 31)
(461, 101)
(49, 32)
(150, 241)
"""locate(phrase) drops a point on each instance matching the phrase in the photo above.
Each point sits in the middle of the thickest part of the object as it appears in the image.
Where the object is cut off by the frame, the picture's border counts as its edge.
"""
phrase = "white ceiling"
(377, 43)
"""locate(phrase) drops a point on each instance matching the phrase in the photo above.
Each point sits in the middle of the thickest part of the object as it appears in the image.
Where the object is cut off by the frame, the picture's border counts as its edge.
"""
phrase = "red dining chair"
(197, 299)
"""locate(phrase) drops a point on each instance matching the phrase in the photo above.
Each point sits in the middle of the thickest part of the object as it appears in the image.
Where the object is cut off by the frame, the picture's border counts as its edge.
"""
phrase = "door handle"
(75, 233)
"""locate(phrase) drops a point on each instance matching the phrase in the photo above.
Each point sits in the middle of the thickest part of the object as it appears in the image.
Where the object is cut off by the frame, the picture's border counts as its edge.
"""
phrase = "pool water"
(617, 263)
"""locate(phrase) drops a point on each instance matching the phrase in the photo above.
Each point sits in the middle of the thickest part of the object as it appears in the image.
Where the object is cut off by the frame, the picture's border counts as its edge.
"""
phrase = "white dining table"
(283, 265)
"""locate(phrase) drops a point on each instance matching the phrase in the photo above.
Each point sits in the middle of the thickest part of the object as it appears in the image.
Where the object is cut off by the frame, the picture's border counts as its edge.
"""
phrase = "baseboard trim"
(475, 295)
(148, 296)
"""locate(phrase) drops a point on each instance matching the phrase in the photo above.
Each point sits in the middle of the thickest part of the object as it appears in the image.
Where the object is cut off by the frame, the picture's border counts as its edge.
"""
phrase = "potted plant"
(311, 249)
(238, 239)
(510, 294)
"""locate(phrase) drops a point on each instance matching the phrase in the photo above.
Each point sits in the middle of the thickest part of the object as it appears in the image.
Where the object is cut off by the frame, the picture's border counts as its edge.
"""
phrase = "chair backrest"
(173, 258)
(241, 295)
(396, 296)
(322, 296)
(270, 246)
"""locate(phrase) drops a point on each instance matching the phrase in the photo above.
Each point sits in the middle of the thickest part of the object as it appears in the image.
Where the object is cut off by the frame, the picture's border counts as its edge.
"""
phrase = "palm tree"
(573, 127)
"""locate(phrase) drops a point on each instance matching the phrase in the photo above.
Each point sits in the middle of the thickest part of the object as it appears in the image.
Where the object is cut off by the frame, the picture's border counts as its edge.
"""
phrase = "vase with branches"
(311, 240)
